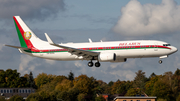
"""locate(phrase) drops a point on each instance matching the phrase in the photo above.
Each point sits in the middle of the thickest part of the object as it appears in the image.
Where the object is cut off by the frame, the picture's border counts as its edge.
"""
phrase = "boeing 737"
(114, 51)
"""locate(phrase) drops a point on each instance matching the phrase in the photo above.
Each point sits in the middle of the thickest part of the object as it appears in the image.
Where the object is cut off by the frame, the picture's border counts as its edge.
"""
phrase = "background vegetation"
(50, 87)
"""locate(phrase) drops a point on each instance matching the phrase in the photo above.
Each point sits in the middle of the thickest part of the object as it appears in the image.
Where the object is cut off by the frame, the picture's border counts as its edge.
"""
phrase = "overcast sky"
(77, 20)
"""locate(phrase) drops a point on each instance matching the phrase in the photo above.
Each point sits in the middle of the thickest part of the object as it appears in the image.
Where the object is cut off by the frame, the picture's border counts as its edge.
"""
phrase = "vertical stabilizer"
(26, 37)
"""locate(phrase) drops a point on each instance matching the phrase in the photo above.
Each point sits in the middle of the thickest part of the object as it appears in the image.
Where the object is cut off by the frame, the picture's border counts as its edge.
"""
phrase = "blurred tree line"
(11, 79)
(49, 87)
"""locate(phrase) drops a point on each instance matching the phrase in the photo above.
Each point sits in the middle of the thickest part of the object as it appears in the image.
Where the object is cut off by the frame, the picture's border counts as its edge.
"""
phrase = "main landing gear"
(97, 64)
(160, 61)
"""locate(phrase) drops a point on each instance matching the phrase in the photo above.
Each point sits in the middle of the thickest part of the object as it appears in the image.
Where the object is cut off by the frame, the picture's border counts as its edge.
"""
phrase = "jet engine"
(120, 59)
(104, 57)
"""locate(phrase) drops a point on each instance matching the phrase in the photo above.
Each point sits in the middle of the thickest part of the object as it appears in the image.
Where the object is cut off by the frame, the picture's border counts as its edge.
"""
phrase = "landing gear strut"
(160, 61)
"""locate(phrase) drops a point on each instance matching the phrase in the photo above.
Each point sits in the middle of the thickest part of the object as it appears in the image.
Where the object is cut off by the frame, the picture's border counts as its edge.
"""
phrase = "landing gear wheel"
(97, 64)
(160, 61)
(90, 64)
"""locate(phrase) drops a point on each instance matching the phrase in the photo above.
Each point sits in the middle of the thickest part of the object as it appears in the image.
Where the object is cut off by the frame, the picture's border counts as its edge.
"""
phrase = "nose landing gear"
(160, 61)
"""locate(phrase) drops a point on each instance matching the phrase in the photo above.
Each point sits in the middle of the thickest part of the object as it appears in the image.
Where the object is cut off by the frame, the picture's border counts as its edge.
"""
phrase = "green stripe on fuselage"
(22, 42)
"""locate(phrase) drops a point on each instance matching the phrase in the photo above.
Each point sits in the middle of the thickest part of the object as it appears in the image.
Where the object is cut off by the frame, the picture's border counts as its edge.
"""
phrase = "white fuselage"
(122, 49)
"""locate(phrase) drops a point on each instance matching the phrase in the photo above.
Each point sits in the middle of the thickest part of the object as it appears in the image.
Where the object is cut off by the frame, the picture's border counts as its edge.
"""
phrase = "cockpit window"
(166, 44)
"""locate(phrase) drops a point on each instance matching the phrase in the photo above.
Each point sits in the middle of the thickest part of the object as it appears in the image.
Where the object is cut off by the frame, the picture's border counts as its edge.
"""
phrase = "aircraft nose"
(174, 49)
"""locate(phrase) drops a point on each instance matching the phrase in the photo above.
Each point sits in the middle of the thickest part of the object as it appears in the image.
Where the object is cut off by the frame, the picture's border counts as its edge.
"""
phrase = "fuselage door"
(155, 46)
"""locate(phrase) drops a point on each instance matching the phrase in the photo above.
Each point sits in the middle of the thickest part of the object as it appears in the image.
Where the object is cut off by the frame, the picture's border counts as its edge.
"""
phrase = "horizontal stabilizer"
(18, 47)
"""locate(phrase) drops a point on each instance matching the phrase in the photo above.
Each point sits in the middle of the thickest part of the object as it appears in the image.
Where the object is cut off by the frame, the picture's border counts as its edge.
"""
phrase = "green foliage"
(161, 90)
(85, 84)
(16, 98)
(100, 87)
(152, 75)
(120, 87)
(81, 97)
(161, 99)
(110, 83)
(100, 98)
(52, 85)
(31, 80)
(59, 78)
(150, 85)
(71, 76)
(42, 95)
(65, 85)
(124, 87)
(177, 72)
(63, 96)
(2, 98)
(133, 92)
(73, 93)
(34, 97)
(11, 79)
(52, 88)
(140, 80)
(178, 98)
(43, 78)
(70, 95)
(115, 86)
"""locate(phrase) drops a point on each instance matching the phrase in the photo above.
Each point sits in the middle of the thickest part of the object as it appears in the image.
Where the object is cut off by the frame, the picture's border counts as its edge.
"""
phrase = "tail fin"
(26, 37)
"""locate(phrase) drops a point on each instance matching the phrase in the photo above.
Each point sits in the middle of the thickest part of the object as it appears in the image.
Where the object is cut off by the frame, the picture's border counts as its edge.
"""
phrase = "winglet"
(48, 39)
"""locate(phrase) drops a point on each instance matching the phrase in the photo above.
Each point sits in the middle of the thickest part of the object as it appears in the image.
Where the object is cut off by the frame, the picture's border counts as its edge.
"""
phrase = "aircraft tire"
(160, 61)
(90, 64)
(97, 64)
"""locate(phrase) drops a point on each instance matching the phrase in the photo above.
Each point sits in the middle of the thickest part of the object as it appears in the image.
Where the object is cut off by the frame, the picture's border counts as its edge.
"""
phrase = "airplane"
(113, 51)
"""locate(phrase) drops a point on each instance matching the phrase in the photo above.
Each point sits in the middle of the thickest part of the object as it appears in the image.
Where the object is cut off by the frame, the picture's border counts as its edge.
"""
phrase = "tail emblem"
(27, 35)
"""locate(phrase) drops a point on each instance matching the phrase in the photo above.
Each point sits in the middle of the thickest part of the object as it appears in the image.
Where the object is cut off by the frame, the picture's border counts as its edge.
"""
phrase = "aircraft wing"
(74, 51)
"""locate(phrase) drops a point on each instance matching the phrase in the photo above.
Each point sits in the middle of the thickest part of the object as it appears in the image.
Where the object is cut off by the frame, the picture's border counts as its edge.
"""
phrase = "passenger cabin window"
(166, 44)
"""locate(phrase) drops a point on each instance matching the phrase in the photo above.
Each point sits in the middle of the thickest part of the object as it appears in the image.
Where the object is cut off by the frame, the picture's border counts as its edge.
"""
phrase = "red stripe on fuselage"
(105, 48)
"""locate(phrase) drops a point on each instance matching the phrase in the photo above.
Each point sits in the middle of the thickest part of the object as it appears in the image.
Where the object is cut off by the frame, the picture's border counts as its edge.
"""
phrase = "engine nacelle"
(104, 57)
(119, 59)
